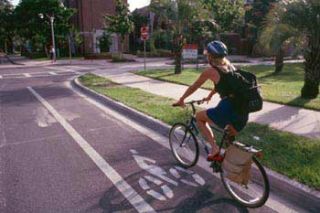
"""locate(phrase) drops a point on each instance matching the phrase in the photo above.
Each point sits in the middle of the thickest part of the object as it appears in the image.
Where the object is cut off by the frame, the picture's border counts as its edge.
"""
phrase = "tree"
(6, 27)
(227, 14)
(120, 23)
(275, 35)
(179, 16)
(105, 42)
(254, 20)
(301, 19)
(36, 29)
(138, 21)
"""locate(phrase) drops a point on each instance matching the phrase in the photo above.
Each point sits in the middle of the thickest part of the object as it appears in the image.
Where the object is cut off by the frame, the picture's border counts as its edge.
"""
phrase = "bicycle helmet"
(217, 48)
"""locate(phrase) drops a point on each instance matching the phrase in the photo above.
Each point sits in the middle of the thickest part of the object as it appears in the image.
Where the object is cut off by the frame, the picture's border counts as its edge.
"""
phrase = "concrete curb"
(293, 191)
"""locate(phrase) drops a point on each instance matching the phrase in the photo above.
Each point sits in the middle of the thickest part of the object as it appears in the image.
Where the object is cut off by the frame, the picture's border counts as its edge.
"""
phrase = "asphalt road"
(61, 153)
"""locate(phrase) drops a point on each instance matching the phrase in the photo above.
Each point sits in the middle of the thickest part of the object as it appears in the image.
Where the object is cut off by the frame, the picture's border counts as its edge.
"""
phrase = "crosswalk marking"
(37, 74)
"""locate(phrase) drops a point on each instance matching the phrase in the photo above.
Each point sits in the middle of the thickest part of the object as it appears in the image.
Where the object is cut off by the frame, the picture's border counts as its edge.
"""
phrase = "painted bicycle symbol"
(162, 178)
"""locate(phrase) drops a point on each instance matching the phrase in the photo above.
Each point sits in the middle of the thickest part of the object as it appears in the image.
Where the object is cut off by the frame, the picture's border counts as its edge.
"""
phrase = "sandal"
(217, 157)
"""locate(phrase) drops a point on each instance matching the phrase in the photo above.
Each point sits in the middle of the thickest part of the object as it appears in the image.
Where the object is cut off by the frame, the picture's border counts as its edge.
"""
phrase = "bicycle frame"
(190, 130)
(192, 125)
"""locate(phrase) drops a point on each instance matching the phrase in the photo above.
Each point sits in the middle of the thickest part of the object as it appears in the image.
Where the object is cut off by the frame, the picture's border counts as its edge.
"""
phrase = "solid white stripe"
(162, 140)
(128, 192)
(0, 76)
(27, 75)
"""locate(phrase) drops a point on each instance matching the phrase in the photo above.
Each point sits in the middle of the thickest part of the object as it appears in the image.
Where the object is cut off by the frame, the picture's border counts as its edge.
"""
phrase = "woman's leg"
(202, 121)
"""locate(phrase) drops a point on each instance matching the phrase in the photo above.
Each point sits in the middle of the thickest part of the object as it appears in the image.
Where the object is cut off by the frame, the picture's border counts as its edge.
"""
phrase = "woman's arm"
(202, 78)
(208, 98)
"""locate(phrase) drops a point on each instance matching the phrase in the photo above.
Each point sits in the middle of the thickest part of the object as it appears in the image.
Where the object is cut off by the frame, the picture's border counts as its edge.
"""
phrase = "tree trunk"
(178, 57)
(279, 61)
(121, 47)
(310, 90)
(177, 48)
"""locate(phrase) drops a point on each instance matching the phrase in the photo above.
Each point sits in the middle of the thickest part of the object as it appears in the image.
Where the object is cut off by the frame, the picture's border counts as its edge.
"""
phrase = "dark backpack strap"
(218, 69)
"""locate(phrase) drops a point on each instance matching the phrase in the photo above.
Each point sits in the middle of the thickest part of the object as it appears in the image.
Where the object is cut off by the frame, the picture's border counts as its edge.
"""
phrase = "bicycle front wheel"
(184, 145)
(255, 193)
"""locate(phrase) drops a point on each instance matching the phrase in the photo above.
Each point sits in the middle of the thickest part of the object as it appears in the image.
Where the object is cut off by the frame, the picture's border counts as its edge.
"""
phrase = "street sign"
(144, 33)
(190, 51)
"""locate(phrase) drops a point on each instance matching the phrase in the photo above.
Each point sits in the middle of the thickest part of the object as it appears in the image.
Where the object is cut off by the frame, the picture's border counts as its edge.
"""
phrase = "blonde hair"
(223, 63)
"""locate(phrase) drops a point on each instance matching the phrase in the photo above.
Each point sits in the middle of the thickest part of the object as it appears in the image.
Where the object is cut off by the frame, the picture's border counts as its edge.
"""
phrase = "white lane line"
(1, 77)
(27, 75)
(128, 192)
(53, 73)
(272, 203)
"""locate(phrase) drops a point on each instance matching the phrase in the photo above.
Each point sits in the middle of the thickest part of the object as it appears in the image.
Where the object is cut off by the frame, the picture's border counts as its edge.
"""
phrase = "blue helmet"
(217, 48)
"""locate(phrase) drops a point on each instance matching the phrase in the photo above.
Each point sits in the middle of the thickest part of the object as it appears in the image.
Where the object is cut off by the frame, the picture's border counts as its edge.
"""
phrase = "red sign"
(190, 46)
(144, 33)
(190, 51)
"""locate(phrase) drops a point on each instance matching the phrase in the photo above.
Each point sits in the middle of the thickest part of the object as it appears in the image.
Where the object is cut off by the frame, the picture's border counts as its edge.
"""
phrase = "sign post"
(144, 37)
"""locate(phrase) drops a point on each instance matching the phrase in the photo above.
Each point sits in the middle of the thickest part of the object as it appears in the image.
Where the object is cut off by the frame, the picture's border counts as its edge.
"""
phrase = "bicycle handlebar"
(192, 103)
(198, 102)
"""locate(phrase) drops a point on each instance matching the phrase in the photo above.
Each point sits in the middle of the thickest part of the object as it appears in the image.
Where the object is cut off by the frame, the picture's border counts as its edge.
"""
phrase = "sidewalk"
(285, 118)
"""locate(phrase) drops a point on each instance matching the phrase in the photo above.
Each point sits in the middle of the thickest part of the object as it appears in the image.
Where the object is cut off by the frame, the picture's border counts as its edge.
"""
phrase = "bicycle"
(184, 144)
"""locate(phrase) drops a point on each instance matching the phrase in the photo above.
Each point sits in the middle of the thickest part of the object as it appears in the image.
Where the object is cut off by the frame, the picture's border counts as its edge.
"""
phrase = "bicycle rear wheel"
(255, 193)
(184, 145)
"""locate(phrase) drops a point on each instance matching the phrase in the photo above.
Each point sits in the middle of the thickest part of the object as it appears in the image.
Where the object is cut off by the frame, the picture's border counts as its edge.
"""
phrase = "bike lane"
(146, 166)
(41, 168)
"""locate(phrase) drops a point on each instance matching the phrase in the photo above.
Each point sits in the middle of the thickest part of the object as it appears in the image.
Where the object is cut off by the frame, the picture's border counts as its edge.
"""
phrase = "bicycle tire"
(180, 137)
(263, 184)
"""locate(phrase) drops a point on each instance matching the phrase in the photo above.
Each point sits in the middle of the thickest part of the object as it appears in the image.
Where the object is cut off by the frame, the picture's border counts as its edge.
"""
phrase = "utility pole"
(52, 37)
(51, 18)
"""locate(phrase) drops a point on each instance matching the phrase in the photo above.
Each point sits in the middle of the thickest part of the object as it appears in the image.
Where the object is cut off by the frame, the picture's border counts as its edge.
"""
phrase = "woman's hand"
(207, 99)
(179, 103)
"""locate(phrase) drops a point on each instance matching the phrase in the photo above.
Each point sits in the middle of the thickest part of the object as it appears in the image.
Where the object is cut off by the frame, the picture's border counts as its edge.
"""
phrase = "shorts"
(223, 114)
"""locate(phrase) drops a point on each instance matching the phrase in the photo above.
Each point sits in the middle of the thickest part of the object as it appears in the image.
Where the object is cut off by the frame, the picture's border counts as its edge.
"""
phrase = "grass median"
(294, 156)
(283, 88)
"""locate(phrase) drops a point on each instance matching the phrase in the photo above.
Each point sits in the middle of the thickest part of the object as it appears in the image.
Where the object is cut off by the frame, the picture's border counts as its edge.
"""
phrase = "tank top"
(224, 89)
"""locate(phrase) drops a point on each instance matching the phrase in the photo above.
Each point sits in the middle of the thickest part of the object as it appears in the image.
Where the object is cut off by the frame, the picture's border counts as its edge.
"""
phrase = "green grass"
(294, 156)
(283, 88)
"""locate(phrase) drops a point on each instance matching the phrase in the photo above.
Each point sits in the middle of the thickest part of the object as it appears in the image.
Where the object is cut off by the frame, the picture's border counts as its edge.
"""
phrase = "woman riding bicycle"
(227, 113)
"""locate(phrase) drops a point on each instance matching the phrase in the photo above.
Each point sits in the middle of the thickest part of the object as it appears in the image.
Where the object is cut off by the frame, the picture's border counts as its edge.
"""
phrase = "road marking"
(53, 73)
(128, 192)
(1, 77)
(34, 75)
(272, 202)
(76, 72)
(159, 175)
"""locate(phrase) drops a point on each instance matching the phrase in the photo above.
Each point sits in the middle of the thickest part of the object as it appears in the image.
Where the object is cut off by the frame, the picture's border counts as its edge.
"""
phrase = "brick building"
(89, 20)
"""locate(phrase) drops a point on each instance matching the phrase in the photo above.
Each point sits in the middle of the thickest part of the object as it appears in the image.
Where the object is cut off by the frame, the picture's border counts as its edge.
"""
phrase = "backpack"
(244, 87)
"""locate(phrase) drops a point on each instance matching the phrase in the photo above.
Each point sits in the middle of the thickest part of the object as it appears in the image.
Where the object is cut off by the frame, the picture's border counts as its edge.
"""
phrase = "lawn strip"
(294, 156)
(283, 88)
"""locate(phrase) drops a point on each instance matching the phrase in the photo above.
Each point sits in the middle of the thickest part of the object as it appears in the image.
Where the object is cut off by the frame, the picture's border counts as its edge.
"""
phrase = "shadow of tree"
(282, 113)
